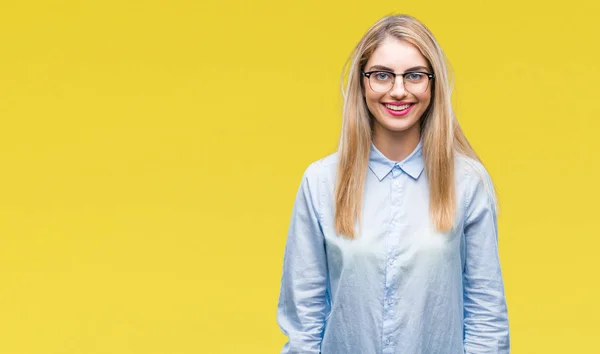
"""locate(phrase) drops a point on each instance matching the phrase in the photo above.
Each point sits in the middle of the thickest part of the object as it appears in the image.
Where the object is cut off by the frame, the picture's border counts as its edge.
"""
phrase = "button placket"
(396, 190)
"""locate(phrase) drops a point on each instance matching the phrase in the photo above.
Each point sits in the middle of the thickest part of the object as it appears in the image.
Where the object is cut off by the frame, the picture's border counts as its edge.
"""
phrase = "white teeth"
(397, 108)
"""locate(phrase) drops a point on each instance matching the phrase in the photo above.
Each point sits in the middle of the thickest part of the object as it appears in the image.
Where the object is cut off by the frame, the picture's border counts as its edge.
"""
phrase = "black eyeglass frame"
(368, 74)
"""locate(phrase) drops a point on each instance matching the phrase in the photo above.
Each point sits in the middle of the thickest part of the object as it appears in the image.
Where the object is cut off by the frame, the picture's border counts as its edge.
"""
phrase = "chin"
(396, 125)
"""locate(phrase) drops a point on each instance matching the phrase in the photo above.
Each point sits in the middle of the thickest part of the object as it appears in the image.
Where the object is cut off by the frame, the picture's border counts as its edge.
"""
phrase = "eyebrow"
(385, 68)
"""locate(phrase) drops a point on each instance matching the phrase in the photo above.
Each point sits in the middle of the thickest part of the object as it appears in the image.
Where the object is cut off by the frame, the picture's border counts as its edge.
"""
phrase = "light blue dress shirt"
(400, 287)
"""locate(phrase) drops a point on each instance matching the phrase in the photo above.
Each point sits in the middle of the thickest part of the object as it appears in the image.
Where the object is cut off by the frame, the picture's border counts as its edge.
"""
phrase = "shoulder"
(474, 179)
(315, 181)
(469, 168)
(321, 169)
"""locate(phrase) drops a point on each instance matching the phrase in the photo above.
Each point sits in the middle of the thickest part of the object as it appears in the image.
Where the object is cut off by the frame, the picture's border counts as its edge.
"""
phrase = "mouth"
(397, 110)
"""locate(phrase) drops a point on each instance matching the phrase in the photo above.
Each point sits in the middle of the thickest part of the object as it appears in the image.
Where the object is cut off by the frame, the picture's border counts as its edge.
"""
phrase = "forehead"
(396, 54)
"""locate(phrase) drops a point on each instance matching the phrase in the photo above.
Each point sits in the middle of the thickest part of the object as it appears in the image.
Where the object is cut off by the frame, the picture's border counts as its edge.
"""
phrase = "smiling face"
(394, 55)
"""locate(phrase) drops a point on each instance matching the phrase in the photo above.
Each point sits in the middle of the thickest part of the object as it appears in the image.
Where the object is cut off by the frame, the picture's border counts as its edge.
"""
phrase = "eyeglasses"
(383, 81)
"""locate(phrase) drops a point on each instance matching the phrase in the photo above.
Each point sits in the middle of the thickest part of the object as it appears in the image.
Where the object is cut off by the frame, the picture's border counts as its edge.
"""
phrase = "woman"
(392, 246)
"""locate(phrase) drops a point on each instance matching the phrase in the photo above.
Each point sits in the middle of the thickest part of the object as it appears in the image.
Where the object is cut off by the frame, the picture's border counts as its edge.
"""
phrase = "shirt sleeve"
(485, 313)
(303, 301)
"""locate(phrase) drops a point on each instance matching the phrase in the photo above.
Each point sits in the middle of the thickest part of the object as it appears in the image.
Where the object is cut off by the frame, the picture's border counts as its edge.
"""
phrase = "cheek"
(372, 100)
(425, 99)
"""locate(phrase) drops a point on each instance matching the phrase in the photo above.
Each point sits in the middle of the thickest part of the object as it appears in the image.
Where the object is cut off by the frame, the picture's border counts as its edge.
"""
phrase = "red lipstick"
(397, 113)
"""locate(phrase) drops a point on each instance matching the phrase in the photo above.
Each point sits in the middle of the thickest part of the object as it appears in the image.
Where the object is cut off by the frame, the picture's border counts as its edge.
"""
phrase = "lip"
(398, 113)
(401, 103)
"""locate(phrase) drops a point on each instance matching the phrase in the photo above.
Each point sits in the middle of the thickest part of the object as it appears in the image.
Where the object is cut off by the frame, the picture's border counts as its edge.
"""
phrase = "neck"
(396, 146)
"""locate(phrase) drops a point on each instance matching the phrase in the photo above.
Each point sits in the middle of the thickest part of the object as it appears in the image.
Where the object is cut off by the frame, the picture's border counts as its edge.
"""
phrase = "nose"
(398, 90)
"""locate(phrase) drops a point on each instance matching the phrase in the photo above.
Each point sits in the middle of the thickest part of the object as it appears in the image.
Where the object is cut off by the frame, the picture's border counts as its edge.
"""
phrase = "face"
(396, 56)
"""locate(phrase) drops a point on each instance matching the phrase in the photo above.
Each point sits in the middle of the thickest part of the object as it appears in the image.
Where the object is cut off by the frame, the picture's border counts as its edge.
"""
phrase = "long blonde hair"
(441, 134)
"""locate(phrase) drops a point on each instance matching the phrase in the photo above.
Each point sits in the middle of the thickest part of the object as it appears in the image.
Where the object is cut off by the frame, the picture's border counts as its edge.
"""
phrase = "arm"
(485, 313)
(303, 303)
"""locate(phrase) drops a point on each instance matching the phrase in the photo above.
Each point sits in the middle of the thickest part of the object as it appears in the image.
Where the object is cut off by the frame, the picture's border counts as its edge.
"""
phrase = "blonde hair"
(441, 134)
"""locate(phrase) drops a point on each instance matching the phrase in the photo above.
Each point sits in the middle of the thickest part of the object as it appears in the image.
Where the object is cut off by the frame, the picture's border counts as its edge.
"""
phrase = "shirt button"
(391, 261)
(396, 183)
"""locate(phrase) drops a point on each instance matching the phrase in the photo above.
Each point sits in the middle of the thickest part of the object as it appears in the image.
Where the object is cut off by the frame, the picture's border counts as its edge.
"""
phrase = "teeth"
(397, 108)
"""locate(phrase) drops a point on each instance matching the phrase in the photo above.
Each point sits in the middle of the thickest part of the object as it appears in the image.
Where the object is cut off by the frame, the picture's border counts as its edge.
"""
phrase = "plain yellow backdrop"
(150, 152)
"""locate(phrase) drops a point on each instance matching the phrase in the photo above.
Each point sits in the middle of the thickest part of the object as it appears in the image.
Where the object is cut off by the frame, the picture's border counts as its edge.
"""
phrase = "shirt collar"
(412, 165)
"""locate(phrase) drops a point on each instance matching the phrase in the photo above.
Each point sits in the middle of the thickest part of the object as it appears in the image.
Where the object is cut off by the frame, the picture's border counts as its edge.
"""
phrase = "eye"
(414, 77)
(382, 76)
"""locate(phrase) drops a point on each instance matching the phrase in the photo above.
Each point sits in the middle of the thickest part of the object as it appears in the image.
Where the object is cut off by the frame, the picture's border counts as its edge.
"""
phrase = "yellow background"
(150, 152)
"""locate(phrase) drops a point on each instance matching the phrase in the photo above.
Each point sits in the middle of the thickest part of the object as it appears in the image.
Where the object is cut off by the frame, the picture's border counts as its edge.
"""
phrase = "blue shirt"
(400, 286)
